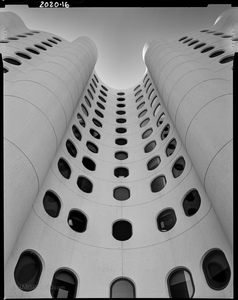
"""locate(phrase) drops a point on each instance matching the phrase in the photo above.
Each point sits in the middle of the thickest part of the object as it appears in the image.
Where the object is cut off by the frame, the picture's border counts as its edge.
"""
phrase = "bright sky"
(119, 33)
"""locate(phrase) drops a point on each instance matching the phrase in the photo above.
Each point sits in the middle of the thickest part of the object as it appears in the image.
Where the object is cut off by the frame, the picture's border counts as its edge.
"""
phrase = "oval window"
(71, 148)
(178, 167)
(76, 133)
(84, 184)
(149, 147)
(147, 133)
(145, 122)
(121, 155)
(122, 230)
(171, 147)
(92, 147)
(165, 132)
(64, 168)
(51, 204)
(64, 284)
(166, 220)
(153, 163)
(180, 284)
(121, 193)
(191, 203)
(158, 184)
(95, 134)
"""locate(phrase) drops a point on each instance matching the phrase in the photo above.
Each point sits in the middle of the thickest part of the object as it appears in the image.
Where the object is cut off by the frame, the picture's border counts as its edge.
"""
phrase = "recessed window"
(122, 288)
(92, 147)
(120, 94)
(21, 35)
(171, 147)
(121, 155)
(178, 167)
(226, 59)
(96, 78)
(199, 46)
(191, 203)
(4, 41)
(180, 284)
(84, 110)
(96, 122)
(148, 87)
(121, 99)
(218, 33)
(205, 30)
(92, 88)
(153, 163)
(33, 51)
(141, 105)
(216, 270)
(146, 82)
(90, 94)
(165, 132)
(153, 101)
(81, 120)
(12, 61)
(5, 70)
(193, 42)
(51, 204)
(104, 87)
(100, 105)
(145, 122)
(77, 221)
(227, 36)
(121, 193)
(136, 88)
(64, 284)
(121, 105)
(71, 148)
(186, 41)
(120, 112)
(121, 120)
(161, 119)
(94, 83)
(149, 147)
(29, 33)
(76, 133)
(182, 38)
(121, 130)
(40, 47)
(138, 100)
(57, 39)
(13, 39)
(87, 101)
(97, 112)
(103, 93)
(207, 49)
(102, 99)
(145, 77)
(166, 220)
(64, 168)
(137, 93)
(151, 93)
(217, 53)
(121, 142)
(142, 113)
(121, 172)
(122, 230)
(156, 111)
(46, 44)
(158, 184)
(84, 184)
(147, 133)
(28, 271)
(89, 164)
(54, 42)
(95, 134)
(23, 55)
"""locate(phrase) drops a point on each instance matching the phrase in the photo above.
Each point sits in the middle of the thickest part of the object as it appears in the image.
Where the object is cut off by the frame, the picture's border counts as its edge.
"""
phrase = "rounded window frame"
(58, 197)
(125, 220)
(122, 278)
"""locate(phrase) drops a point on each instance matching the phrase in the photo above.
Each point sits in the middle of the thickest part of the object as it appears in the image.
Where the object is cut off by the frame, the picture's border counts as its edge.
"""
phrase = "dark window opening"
(191, 203)
(153, 163)
(121, 105)
(40, 47)
(207, 49)
(166, 220)
(64, 284)
(121, 172)
(136, 88)
(121, 141)
(102, 99)
(121, 130)
(142, 113)
(84, 110)
(57, 39)
(141, 105)
(216, 270)
(199, 46)
(95, 134)
(137, 100)
(28, 271)
(151, 94)
(5, 70)
(97, 112)
(120, 112)
(76, 133)
(121, 120)
(89, 164)
(149, 147)
(33, 51)
(216, 53)
(64, 168)
(71, 148)
(103, 93)
(153, 101)
(178, 167)
(157, 110)
(146, 82)
(120, 94)
(51, 204)
(121, 193)
(145, 122)
(180, 284)
(193, 42)
(100, 105)
(104, 87)
(183, 38)
(122, 230)
(161, 119)
(148, 87)
(90, 94)
(121, 155)
(92, 88)
(171, 147)
(92, 147)
(121, 99)
(226, 59)
(81, 120)
(87, 101)
(137, 93)
(77, 221)
(12, 61)
(96, 78)
(158, 184)
(23, 55)
(46, 44)
(165, 132)
(54, 42)
(97, 123)
(84, 184)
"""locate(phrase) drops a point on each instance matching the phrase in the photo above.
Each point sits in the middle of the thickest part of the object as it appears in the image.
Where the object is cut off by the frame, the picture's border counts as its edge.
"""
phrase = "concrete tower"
(118, 193)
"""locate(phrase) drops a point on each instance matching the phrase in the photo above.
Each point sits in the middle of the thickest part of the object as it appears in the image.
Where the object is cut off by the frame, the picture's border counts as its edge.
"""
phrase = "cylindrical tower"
(122, 210)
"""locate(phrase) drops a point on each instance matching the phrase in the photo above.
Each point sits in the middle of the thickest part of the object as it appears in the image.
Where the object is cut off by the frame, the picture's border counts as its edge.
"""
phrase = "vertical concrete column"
(38, 106)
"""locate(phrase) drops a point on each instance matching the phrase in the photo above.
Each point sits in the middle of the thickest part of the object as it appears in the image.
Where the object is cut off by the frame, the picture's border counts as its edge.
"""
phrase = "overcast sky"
(119, 33)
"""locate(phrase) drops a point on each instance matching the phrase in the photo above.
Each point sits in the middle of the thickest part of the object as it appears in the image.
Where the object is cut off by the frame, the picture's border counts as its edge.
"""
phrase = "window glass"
(51, 204)
(64, 284)
(180, 284)
(166, 220)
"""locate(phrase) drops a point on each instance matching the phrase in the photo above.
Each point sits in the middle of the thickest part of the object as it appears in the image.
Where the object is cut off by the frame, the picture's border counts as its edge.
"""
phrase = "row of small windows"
(180, 283)
(121, 193)
(122, 229)
(207, 49)
(220, 33)
(23, 35)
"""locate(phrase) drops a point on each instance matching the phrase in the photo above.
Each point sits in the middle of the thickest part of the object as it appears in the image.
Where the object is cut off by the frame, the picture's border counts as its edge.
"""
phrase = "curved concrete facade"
(57, 92)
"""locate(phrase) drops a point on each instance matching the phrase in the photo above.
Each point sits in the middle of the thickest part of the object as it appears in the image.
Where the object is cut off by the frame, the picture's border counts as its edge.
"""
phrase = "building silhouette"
(118, 193)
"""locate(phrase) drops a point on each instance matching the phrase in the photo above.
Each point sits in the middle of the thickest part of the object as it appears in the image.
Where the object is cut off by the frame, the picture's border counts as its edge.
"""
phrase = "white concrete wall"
(39, 101)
